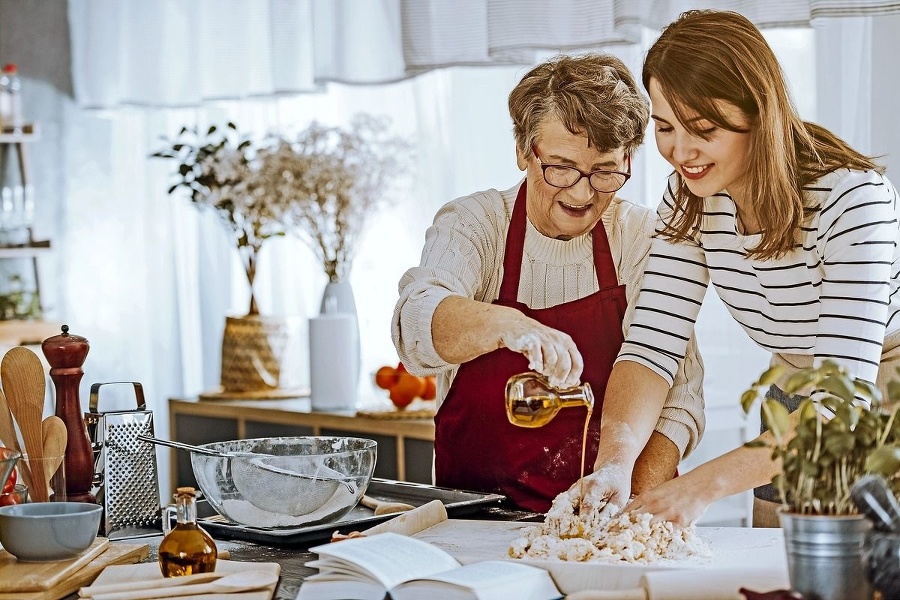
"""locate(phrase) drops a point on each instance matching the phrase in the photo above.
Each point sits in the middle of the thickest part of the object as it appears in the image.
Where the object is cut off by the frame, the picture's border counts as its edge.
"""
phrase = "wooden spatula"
(55, 436)
(22, 374)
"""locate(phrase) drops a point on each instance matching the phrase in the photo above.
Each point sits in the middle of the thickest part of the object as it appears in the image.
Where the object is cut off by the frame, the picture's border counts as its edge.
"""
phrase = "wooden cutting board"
(57, 586)
(733, 548)
(150, 572)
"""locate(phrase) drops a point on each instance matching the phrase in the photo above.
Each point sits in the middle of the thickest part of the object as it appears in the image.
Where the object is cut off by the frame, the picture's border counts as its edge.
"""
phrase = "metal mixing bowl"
(285, 481)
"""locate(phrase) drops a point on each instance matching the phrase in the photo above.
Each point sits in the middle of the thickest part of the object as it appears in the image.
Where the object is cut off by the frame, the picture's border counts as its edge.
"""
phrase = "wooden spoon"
(24, 382)
(55, 436)
(382, 507)
(9, 438)
(242, 581)
(7, 428)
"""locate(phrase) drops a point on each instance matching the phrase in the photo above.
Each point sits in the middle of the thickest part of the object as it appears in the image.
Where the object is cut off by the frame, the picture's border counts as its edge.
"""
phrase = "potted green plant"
(842, 430)
(237, 179)
(321, 184)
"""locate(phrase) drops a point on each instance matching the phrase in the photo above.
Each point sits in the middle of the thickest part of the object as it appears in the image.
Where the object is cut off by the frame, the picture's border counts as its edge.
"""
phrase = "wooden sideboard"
(405, 446)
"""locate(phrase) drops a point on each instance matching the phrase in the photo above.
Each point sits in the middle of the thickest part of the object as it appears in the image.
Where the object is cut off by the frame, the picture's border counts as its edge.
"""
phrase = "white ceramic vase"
(335, 351)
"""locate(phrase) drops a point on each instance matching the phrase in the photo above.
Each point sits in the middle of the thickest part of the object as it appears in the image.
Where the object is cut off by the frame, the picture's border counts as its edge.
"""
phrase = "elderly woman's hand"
(549, 352)
(606, 490)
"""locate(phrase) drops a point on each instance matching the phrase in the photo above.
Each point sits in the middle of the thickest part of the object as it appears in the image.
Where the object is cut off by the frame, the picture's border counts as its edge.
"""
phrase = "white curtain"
(149, 280)
(174, 53)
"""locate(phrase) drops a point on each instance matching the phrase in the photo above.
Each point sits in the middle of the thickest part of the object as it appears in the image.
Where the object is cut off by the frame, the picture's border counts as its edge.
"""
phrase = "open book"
(405, 568)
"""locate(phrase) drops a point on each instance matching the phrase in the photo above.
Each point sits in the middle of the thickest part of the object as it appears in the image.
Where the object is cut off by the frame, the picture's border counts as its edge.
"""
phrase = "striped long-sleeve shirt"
(834, 296)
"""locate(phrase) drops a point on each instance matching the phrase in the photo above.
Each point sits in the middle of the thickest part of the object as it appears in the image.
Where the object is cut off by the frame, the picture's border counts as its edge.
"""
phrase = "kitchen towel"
(333, 368)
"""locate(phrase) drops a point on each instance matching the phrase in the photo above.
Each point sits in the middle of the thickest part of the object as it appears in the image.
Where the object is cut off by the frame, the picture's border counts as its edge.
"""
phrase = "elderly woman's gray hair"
(591, 94)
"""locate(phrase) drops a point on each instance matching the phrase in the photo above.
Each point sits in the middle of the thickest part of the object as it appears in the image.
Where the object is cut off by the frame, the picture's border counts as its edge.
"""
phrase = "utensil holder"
(125, 472)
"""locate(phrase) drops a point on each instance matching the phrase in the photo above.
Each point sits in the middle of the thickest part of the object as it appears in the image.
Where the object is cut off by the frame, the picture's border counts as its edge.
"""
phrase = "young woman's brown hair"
(707, 55)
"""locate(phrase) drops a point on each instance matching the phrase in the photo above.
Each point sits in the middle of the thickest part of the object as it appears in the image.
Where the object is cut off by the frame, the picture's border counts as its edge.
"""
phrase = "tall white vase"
(334, 381)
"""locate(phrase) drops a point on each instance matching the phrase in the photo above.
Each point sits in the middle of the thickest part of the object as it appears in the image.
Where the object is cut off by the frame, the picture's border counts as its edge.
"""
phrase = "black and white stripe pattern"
(835, 296)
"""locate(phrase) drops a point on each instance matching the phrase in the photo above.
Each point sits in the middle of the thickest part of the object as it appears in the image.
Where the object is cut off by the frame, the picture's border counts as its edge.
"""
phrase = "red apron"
(476, 447)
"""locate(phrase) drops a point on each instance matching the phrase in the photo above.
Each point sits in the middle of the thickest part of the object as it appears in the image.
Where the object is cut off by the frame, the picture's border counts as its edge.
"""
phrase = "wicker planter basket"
(253, 353)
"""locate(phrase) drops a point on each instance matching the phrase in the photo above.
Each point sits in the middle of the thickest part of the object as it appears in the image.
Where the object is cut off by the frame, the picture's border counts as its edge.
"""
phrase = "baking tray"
(457, 502)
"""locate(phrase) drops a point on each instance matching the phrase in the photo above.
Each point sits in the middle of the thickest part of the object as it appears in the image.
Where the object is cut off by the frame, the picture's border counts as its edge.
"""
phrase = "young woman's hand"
(677, 500)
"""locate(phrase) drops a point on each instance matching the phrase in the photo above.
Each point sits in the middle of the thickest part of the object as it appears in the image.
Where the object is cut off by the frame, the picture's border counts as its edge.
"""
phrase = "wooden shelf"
(27, 133)
(25, 250)
(22, 333)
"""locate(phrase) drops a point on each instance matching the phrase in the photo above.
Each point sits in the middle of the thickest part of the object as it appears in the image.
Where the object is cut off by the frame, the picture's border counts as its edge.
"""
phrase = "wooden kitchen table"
(293, 559)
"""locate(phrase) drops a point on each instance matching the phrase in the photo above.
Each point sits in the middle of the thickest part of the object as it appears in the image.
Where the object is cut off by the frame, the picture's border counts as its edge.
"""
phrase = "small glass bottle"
(10, 98)
(532, 402)
(186, 549)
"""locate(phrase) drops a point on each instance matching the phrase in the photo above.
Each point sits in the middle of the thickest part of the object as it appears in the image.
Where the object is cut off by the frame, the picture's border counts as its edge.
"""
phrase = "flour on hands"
(548, 357)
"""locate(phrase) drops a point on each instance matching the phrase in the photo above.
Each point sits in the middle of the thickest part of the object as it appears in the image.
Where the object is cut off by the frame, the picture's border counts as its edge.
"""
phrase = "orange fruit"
(386, 377)
(401, 368)
(400, 397)
(430, 392)
(410, 384)
(408, 388)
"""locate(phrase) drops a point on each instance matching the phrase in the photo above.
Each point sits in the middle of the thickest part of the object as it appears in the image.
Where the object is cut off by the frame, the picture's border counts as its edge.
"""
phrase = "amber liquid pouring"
(187, 550)
(587, 421)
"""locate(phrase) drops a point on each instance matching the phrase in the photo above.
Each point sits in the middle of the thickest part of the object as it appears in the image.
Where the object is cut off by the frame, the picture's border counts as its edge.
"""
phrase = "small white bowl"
(48, 531)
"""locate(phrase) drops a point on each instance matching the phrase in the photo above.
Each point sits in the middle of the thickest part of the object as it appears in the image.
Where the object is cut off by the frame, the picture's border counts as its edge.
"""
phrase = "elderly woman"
(542, 276)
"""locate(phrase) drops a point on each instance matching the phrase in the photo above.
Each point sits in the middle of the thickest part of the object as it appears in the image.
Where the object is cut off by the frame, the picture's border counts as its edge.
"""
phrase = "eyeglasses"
(562, 176)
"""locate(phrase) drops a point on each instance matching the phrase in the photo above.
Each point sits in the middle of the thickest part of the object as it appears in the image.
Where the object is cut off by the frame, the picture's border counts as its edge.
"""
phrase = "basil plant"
(843, 429)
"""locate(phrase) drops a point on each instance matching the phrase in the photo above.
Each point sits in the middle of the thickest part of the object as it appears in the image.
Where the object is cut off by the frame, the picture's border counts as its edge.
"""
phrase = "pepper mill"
(66, 354)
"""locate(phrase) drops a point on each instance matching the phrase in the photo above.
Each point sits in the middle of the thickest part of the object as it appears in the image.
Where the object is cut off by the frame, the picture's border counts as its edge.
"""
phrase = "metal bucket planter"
(824, 555)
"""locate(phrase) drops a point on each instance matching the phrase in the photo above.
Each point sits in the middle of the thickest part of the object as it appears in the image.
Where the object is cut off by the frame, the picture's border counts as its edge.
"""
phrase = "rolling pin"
(692, 584)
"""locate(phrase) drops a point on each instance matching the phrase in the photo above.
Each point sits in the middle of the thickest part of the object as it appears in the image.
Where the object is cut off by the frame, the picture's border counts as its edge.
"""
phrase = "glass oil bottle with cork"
(532, 402)
(186, 548)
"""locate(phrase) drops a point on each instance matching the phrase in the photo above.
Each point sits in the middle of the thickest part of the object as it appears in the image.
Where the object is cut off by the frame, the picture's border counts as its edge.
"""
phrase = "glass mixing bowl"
(285, 481)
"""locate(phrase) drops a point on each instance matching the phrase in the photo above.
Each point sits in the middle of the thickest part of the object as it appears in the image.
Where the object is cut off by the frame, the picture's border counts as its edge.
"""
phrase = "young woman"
(797, 231)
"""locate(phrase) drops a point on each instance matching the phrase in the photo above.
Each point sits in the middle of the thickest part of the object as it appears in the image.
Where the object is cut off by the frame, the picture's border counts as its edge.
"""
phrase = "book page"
(389, 558)
(486, 573)
(487, 580)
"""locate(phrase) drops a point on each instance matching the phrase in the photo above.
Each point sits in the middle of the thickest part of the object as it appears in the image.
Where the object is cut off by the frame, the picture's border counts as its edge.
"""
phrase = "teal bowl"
(48, 531)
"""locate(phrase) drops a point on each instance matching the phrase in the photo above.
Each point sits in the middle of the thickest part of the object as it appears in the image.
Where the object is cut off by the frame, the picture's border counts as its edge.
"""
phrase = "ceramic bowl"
(285, 481)
(48, 531)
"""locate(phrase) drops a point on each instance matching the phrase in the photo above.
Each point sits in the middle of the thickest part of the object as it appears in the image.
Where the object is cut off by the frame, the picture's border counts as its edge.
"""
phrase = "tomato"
(10, 499)
(10, 483)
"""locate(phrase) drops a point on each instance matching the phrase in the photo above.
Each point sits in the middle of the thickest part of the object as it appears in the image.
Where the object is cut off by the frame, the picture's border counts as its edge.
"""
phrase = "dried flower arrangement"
(332, 180)
(322, 184)
(835, 438)
(225, 172)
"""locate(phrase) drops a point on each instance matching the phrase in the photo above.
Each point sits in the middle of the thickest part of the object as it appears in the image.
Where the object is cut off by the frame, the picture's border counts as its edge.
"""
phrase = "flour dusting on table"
(623, 537)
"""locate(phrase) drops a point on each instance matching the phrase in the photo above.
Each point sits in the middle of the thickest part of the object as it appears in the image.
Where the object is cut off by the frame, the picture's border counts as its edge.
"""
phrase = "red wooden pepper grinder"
(66, 354)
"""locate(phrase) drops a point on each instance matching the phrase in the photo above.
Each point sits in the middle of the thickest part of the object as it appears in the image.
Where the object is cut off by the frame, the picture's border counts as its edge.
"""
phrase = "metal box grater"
(125, 482)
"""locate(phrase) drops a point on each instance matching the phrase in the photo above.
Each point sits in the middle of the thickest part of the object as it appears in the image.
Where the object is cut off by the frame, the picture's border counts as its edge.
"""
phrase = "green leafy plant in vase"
(237, 179)
(842, 430)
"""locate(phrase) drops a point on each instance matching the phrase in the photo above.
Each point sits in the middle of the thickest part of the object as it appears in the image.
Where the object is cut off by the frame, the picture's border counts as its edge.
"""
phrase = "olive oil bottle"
(186, 548)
